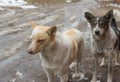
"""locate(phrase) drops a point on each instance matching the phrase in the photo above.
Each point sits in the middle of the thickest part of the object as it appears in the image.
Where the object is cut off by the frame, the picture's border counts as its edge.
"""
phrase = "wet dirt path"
(16, 65)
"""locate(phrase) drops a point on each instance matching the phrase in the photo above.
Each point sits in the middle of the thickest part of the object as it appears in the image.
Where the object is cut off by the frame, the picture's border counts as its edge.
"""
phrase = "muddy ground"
(16, 65)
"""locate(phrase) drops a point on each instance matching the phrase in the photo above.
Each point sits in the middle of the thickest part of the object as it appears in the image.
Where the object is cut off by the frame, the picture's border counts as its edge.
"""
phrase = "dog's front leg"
(110, 66)
(117, 58)
(94, 78)
(64, 77)
(50, 75)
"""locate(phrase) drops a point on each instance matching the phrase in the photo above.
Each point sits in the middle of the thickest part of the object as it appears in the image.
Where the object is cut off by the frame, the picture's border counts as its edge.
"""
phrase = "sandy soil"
(16, 65)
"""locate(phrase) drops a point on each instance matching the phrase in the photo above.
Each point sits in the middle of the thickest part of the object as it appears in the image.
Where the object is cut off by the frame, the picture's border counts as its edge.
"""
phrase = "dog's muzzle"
(97, 32)
(30, 51)
(33, 52)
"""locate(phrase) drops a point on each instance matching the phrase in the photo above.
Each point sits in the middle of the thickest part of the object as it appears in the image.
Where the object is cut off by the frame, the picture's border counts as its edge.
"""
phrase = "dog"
(116, 18)
(104, 41)
(58, 50)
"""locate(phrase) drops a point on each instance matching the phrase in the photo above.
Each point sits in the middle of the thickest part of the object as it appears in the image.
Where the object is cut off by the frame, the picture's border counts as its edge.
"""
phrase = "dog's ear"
(33, 25)
(89, 16)
(109, 15)
(52, 31)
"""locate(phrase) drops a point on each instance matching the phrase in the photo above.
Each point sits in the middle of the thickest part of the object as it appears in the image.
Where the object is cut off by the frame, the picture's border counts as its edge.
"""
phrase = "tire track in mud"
(11, 22)
(9, 31)
(14, 14)
(12, 50)
(24, 17)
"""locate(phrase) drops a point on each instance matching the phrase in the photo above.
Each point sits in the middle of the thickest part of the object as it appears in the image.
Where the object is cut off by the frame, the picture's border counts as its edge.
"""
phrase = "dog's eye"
(93, 23)
(102, 23)
(40, 41)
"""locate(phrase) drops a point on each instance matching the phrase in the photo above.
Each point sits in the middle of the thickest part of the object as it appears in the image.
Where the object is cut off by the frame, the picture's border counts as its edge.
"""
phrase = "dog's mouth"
(99, 36)
(33, 52)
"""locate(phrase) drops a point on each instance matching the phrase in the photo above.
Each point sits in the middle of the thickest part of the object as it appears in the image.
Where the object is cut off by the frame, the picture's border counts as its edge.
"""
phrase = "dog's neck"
(54, 47)
(109, 39)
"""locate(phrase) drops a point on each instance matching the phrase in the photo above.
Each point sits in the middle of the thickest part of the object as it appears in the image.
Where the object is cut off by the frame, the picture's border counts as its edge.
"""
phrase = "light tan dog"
(58, 50)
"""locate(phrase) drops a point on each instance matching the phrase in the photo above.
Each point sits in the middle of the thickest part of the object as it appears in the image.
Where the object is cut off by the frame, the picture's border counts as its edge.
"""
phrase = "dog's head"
(99, 25)
(41, 37)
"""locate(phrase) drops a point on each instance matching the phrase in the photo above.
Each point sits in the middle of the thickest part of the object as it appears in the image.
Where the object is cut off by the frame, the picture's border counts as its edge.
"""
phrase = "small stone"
(19, 74)
(39, 75)
(33, 81)
(29, 65)
(99, 6)
(73, 18)
(12, 80)
(107, 5)
(68, 1)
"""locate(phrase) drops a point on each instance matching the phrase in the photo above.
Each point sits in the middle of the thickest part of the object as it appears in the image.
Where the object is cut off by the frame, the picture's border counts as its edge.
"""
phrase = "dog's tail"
(113, 24)
(116, 15)
(117, 31)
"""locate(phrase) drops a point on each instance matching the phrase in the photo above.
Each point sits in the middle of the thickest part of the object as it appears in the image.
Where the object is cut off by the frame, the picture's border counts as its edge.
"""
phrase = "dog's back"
(77, 41)
(75, 34)
(117, 31)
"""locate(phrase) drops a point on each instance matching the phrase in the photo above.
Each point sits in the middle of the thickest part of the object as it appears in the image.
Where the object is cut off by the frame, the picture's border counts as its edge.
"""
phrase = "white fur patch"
(116, 14)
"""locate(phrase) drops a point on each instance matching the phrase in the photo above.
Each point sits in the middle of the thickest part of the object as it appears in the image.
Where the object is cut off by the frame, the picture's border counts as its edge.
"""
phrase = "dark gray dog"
(104, 41)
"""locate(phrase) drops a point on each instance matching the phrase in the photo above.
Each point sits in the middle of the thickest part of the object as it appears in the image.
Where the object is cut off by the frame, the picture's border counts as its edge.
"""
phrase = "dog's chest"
(56, 56)
(101, 47)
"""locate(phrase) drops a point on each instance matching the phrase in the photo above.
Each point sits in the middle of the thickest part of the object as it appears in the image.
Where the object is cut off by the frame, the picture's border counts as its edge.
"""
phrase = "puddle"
(28, 4)
(50, 1)
(16, 3)
(12, 2)
(109, 3)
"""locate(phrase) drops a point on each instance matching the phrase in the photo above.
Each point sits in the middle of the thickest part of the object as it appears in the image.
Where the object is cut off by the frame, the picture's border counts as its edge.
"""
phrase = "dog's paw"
(94, 79)
(117, 64)
(102, 64)
(72, 66)
(109, 80)
(75, 76)
(79, 76)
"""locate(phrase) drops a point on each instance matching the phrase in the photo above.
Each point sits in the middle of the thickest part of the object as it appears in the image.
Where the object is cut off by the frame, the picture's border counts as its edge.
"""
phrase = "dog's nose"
(30, 51)
(97, 32)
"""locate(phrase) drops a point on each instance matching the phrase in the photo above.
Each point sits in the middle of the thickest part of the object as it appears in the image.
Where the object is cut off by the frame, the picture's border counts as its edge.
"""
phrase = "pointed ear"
(52, 31)
(33, 25)
(109, 15)
(89, 16)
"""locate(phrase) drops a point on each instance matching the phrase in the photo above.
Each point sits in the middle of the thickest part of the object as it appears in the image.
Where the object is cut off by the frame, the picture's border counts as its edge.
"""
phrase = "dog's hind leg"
(78, 60)
(110, 68)
(94, 78)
